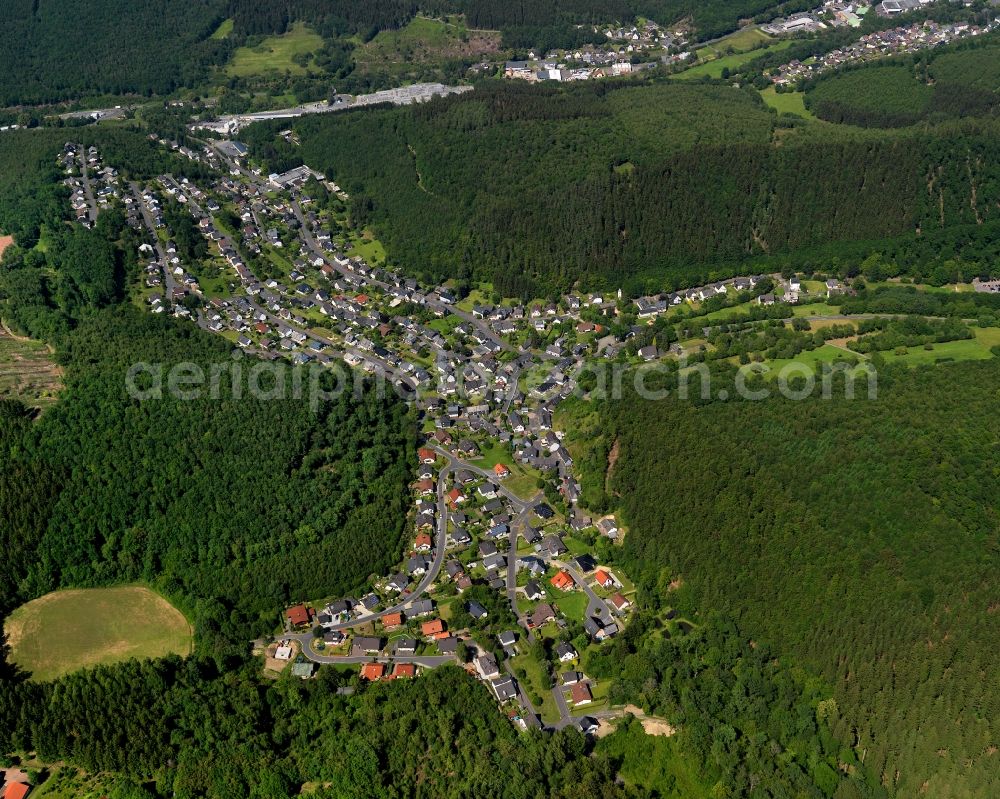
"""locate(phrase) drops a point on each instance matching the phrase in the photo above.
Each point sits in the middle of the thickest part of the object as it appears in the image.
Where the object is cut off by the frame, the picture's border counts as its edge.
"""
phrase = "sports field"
(69, 630)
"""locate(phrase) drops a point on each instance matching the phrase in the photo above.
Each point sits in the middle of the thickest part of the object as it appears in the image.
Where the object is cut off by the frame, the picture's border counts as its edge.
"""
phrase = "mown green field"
(974, 349)
(786, 102)
(275, 53)
(224, 29)
(74, 629)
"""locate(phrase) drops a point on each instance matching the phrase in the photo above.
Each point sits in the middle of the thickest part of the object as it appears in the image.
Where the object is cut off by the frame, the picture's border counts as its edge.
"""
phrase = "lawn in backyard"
(573, 604)
(535, 684)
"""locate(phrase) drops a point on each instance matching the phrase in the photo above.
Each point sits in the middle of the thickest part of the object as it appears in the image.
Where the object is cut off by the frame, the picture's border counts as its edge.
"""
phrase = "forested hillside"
(233, 507)
(960, 82)
(51, 50)
(182, 729)
(858, 537)
(647, 186)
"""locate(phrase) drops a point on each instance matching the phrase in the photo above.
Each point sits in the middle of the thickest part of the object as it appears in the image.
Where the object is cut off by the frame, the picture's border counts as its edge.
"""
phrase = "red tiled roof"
(562, 580)
(581, 693)
(404, 670)
(16, 790)
(431, 627)
(298, 615)
(372, 671)
(392, 620)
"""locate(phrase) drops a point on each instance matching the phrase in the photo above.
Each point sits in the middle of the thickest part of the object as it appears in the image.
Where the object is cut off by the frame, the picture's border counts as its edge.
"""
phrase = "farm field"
(275, 53)
(740, 41)
(27, 371)
(74, 629)
(974, 349)
(713, 68)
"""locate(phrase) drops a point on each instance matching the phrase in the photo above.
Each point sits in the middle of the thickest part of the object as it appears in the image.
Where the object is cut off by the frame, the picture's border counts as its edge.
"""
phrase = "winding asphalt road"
(429, 577)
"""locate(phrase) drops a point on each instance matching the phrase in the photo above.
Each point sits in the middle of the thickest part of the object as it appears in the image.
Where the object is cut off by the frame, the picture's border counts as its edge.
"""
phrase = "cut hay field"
(74, 629)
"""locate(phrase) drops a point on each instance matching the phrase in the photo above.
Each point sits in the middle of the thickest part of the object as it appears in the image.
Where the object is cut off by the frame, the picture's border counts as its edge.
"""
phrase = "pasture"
(276, 53)
(786, 102)
(74, 629)
(714, 67)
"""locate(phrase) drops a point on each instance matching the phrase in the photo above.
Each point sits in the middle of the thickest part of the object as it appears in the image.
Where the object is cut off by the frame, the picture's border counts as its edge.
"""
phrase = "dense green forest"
(760, 727)
(958, 81)
(647, 186)
(51, 51)
(182, 729)
(883, 515)
(233, 506)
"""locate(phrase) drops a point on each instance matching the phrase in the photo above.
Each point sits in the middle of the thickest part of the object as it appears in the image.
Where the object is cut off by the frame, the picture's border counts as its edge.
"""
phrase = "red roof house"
(372, 671)
(426, 455)
(580, 694)
(604, 579)
(501, 471)
(298, 615)
(432, 627)
(16, 790)
(620, 602)
(562, 581)
(392, 620)
(404, 670)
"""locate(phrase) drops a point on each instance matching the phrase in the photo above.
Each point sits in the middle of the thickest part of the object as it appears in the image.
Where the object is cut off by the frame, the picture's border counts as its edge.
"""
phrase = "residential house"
(365, 645)
(565, 652)
(392, 621)
(543, 614)
(580, 694)
(619, 602)
(504, 688)
(605, 579)
(563, 581)
(486, 665)
(299, 615)
(405, 647)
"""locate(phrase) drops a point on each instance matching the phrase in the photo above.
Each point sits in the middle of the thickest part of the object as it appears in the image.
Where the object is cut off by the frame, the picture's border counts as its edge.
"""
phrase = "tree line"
(883, 515)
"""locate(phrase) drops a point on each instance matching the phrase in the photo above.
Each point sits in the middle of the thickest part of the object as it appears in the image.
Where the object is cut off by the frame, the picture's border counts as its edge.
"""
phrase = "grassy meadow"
(74, 629)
